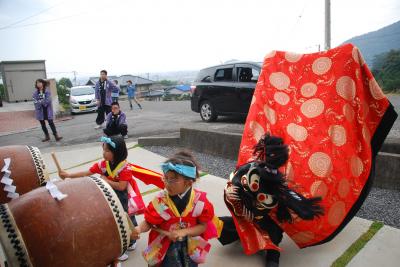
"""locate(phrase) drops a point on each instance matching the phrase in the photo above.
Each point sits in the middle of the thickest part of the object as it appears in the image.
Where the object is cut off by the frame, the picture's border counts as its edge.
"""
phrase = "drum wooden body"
(87, 228)
(27, 168)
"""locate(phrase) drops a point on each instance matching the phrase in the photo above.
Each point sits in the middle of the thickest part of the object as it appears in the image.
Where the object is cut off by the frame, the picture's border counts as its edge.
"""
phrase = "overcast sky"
(169, 35)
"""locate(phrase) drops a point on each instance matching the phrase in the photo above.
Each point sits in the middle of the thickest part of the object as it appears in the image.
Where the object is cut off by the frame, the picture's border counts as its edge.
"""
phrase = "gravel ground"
(381, 204)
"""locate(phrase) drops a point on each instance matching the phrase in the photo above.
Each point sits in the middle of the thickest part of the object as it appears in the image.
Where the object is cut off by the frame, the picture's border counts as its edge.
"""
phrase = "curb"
(226, 145)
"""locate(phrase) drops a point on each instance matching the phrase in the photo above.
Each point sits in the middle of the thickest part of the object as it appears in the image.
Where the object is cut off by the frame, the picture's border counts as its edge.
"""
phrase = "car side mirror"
(207, 79)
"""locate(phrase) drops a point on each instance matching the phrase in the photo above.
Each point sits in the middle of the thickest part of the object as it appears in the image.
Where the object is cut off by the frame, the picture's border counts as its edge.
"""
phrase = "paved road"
(156, 118)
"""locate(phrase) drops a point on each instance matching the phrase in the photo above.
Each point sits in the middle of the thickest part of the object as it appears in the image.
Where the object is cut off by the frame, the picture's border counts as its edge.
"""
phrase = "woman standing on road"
(44, 108)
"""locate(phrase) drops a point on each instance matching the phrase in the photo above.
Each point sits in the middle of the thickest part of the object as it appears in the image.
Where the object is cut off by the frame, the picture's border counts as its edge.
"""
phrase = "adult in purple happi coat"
(44, 108)
(116, 122)
(103, 90)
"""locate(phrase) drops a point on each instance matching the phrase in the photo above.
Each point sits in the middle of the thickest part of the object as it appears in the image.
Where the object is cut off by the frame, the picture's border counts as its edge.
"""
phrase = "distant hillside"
(377, 42)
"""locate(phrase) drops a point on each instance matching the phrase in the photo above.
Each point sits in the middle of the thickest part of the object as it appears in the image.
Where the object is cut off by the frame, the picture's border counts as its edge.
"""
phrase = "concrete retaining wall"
(226, 145)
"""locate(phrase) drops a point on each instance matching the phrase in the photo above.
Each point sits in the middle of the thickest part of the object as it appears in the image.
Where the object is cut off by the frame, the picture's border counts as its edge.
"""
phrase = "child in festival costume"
(115, 170)
(180, 218)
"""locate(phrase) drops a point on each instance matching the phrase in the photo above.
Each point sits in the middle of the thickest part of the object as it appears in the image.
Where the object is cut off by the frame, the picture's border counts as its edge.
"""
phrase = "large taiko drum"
(26, 171)
(87, 228)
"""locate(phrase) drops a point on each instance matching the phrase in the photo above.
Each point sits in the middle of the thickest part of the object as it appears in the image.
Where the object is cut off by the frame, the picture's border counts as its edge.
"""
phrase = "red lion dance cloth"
(334, 117)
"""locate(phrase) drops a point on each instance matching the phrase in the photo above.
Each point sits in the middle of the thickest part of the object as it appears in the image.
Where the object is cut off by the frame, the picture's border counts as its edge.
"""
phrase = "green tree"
(168, 82)
(66, 82)
(62, 90)
(386, 69)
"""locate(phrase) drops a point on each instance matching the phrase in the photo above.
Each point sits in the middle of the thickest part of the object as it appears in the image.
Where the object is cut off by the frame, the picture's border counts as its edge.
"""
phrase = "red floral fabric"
(326, 106)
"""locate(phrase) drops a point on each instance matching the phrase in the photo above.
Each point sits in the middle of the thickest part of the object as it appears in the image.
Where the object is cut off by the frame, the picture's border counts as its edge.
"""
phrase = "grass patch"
(65, 106)
(359, 244)
(134, 146)
(203, 174)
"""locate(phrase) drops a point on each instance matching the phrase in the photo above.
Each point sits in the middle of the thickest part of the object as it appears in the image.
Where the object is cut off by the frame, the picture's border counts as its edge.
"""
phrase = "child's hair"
(103, 71)
(115, 104)
(120, 151)
(184, 157)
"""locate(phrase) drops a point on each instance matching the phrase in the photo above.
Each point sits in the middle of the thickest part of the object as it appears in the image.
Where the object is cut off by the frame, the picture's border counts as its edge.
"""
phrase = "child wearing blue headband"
(180, 218)
(114, 169)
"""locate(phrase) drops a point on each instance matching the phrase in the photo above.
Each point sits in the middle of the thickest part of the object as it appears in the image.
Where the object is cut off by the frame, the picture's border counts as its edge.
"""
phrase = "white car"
(82, 99)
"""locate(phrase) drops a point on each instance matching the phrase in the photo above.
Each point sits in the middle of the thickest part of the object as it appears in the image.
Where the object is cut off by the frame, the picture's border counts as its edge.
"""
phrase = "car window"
(82, 91)
(223, 75)
(247, 74)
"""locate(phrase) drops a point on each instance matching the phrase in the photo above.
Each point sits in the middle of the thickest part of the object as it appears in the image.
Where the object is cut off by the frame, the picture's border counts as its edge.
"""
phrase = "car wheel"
(207, 111)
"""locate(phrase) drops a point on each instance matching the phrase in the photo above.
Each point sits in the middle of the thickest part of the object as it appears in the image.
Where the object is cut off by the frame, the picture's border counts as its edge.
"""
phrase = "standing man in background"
(131, 89)
(115, 93)
(103, 90)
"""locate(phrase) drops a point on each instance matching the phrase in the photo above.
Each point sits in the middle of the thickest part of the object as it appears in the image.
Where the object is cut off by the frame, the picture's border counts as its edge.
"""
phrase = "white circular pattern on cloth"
(348, 112)
(336, 213)
(292, 57)
(279, 80)
(308, 89)
(375, 89)
(357, 166)
(337, 134)
(289, 171)
(257, 129)
(319, 189)
(358, 58)
(355, 54)
(297, 132)
(321, 65)
(346, 88)
(270, 114)
(312, 108)
(281, 98)
(366, 134)
(343, 188)
(320, 164)
(270, 54)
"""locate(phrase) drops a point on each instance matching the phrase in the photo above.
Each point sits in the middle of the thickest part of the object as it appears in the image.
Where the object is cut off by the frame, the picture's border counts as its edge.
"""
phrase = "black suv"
(224, 89)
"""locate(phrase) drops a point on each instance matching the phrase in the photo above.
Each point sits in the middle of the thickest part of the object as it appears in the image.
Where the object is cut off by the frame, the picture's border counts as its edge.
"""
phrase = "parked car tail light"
(192, 89)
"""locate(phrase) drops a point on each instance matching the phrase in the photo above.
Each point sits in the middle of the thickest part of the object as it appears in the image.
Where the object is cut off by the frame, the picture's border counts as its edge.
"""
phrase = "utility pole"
(327, 24)
(74, 72)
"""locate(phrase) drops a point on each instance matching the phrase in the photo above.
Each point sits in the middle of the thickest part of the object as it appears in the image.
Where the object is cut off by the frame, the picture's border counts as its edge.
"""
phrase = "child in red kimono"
(116, 171)
(180, 218)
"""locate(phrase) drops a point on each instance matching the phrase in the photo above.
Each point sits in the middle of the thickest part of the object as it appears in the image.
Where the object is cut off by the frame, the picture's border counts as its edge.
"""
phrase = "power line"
(299, 17)
(29, 17)
(43, 22)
